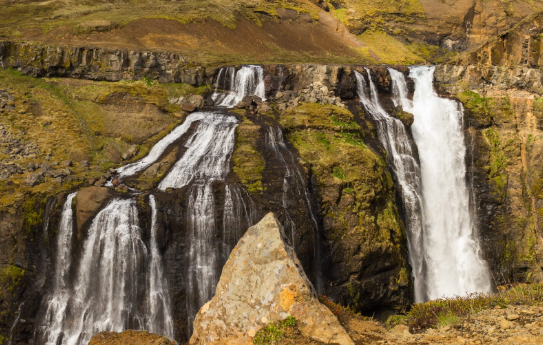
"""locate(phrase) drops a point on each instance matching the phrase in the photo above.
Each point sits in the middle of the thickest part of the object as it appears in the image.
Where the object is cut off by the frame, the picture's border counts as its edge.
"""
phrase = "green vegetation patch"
(480, 107)
(248, 161)
(389, 50)
(274, 332)
(446, 311)
(11, 277)
(101, 121)
(358, 194)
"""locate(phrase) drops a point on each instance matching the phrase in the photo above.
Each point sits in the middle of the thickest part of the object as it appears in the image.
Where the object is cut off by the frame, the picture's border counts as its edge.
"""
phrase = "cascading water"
(109, 284)
(293, 181)
(111, 280)
(57, 303)
(208, 153)
(401, 156)
(248, 81)
(160, 316)
(161, 146)
(205, 162)
(451, 251)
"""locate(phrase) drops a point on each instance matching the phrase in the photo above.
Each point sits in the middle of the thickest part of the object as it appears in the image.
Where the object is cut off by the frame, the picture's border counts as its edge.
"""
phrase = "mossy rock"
(357, 196)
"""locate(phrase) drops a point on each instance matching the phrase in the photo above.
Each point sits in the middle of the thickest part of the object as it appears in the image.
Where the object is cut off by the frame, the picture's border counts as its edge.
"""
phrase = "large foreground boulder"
(263, 282)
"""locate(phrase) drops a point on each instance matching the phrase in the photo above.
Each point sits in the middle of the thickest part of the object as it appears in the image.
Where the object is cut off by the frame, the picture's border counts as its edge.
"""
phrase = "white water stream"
(394, 138)
(115, 288)
(452, 255)
(247, 81)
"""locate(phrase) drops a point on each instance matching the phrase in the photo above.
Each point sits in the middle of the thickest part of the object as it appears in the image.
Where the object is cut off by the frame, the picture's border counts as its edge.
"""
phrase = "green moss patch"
(389, 50)
(248, 161)
(356, 188)
(101, 121)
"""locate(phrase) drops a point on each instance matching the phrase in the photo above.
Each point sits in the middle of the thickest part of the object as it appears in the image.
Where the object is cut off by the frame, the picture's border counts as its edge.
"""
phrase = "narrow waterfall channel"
(401, 156)
(56, 306)
(293, 182)
(452, 257)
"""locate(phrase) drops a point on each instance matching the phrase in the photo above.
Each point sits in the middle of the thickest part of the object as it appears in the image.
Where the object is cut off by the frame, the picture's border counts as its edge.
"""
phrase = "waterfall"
(205, 163)
(451, 251)
(57, 303)
(160, 316)
(116, 286)
(248, 81)
(161, 146)
(208, 153)
(293, 181)
(109, 283)
(401, 157)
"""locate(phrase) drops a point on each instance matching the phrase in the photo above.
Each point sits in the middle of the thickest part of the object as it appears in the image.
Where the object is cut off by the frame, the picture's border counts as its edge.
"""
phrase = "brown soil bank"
(130, 338)
(294, 38)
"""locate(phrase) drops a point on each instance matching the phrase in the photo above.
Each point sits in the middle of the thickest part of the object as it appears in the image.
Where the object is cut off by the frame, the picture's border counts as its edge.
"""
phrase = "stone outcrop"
(89, 202)
(41, 60)
(519, 46)
(263, 282)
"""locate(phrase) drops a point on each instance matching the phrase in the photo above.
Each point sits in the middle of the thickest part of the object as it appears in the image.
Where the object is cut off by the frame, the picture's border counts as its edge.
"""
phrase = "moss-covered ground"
(81, 121)
(248, 163)
(448, 311)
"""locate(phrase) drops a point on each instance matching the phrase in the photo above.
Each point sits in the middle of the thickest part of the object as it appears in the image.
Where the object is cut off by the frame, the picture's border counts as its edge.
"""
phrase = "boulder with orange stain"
(263, 282)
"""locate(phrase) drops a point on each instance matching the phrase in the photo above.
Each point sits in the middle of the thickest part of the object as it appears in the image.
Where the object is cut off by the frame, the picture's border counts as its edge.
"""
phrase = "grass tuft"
(274, 332)
(448, 311)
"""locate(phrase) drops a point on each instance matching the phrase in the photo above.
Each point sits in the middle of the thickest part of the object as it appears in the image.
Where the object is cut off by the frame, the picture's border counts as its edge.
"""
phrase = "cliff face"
(518, 46)
(362, 257)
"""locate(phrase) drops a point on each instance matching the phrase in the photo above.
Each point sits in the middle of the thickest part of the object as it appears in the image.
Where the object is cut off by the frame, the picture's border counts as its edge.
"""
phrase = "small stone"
(84, 163)
(400, 329)
(33, 179)
(92, 181)
(115, 182)
(67, 163)
(541, 331)
(512, 317)
(504, 324)
(251, 333)
(445, 329)
(264, 320)
(188, 107)
(196, 100)
(491, 330)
